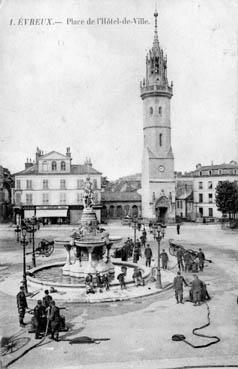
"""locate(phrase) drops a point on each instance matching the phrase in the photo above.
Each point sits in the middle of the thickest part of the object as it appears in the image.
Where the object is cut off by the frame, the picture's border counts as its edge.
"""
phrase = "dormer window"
(54, 165)
(62, 165)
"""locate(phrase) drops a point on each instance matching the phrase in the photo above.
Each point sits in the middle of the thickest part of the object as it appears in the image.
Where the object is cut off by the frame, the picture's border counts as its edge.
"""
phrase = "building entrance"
(161, 209)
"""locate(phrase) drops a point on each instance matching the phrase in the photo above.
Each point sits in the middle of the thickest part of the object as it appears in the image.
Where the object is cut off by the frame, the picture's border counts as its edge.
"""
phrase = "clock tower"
(158, 179)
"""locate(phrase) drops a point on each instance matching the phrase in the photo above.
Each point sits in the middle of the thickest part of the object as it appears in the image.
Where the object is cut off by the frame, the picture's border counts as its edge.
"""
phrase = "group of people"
(198, 291)
(99, 283)
(190, 262)
(45, 310)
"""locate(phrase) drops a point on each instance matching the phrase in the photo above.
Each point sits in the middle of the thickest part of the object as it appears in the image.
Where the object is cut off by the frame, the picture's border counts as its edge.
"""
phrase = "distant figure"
(179, 281)
(21, 306)
(124, 253)
(105, 281)
(148, 255)
(187, 261)
(39, 318)
(99, 281)
(89, 284)
(137, 277)
(201, 258)
(180, 259)
(178, 228)
(164, 259)
(121, 279)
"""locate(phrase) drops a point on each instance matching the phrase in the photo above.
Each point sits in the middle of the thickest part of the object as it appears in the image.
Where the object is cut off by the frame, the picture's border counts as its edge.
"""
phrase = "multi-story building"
(205, 180)
(52, 188)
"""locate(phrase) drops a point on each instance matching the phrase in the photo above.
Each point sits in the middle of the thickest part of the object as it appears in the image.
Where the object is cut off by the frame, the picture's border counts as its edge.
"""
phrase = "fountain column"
(76, 268)
(66, 267)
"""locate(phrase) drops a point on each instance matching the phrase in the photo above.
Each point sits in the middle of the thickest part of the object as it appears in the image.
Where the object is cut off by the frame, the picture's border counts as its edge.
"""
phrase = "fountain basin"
(36, 279)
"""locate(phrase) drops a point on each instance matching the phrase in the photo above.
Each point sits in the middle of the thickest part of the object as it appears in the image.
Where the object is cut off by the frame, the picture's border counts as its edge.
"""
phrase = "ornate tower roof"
(156, 67)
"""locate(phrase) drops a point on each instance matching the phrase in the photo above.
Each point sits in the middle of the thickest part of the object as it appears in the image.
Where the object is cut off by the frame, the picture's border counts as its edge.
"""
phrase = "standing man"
(148, 255)
(55, 321)
(178, 228)
(201, 257)
(180, 259)
(196, 290)
(187, 261)
(39, 318)
(179, 281)
(46, 299)
(21, 306)
(165, 259)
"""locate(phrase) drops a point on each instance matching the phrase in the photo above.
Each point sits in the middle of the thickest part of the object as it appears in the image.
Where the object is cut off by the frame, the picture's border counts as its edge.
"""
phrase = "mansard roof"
(74, 169)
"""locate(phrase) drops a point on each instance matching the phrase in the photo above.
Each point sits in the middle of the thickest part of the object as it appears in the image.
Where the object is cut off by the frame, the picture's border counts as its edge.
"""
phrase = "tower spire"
(156, 40)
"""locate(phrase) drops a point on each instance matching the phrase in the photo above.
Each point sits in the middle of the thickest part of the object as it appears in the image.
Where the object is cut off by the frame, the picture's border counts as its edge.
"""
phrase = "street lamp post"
(24, 244)
(18, 230)
(159, 236)
(33, 222)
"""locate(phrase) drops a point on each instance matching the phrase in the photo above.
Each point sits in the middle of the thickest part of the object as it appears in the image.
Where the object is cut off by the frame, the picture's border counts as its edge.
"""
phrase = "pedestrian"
(124, 253)
(187, 261)
(178, 228)
(148, 255)
(196, 290)
(46, 299)
(55, 320)
(143, 240)
(150, 227)
(201, 259)
(121, 279)
(89, 283)
(21, 306)
(137, 277)
(99, 281)
(179, 281)
(164, 259)
(39, 318)
(180, 259)
(105, 281)
(136, 252)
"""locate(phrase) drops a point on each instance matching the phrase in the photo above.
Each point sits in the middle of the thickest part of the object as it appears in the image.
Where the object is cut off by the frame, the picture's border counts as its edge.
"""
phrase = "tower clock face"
(161, 168)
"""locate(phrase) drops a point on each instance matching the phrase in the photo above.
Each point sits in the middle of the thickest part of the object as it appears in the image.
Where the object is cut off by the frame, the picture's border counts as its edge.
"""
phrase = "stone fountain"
(90, 246)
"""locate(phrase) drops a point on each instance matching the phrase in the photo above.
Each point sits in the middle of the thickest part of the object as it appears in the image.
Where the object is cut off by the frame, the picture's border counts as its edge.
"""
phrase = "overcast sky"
(78, 85)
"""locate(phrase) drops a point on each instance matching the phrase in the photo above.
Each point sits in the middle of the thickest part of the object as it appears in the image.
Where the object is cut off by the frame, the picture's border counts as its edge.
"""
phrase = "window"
(200, 197)
(200, 185)
(45, 184)
(80, 183)
(18, 184)
(209, 185)
(18, 198)
(29, 184)
(160, 139)
(45, 166)
(160, 110)
(151, 110)
(210, 197)
(54, 165)
(62, 184)
(210, 172)
(210, 212)
(63, 198)
(29, 198)
(45, 198)
(62, 165)
(200, 173)
(200, 210)
(95, 184)
(79, 198)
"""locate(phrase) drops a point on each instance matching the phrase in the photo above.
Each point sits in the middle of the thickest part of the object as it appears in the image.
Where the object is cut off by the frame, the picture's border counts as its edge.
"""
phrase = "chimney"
(88, 162)
(28, 163)
(68, 152)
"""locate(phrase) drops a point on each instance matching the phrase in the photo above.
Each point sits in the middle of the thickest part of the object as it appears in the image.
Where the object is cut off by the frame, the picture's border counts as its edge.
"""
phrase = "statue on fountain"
(88, 194)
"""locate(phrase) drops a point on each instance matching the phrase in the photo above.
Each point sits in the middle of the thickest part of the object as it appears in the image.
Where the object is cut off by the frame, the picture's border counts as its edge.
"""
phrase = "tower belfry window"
(160, 110)
(160, 139)
(151, 110)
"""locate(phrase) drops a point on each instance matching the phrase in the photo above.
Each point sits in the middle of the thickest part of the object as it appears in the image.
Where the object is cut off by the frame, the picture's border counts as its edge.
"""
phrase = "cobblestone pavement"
(140, 330)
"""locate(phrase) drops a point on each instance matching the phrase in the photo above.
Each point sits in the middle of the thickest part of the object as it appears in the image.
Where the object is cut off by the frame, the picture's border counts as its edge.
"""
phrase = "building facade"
(205, 180)
(52, 188)
(158, 179)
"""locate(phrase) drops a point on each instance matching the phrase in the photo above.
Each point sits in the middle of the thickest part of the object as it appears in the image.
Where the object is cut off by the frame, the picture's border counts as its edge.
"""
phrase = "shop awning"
(29, 213)
(51, 213)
